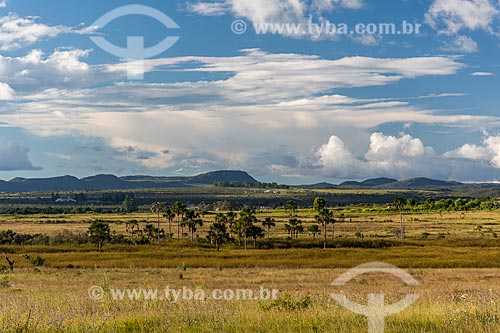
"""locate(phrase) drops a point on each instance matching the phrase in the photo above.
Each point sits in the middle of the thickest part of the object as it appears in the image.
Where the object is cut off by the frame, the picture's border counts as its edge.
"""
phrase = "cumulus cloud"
(6, 92)
(489, 151)
(462, 44)
(388, 156)
(272, 11)
(17, 32)
(452, 16)
(14, 156)
(406, 157)
(37, 71)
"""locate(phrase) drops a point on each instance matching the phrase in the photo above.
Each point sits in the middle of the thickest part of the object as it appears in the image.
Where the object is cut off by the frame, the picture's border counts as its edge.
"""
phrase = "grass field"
(455, 257)
(453, 300)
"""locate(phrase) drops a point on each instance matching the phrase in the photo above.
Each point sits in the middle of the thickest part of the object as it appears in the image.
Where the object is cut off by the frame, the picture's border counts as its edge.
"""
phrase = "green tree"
(179, 209)
(217, 233)
(324, 216)
(129, 205)
(246, 220)
(153, 232)
(255, 232)
(268, 223)
(158, 208)
(192, 220)
(132, 227)
(291, 208)
(170, 216)
(294, 227)
(99, 233)
(314, 230)
(319, 204)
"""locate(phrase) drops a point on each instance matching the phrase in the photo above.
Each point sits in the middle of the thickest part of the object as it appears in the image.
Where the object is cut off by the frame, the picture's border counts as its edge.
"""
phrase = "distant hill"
(369, 182)
(316, 186)
(421, 183)
(112, 182)
(222, 176)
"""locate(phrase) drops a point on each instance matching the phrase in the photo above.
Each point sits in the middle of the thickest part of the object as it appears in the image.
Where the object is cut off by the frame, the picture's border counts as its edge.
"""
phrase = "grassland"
(457, 300)
(454, 255)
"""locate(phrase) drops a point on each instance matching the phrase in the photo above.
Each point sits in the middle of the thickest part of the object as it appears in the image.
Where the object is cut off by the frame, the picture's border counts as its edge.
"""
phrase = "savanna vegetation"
(53, 253)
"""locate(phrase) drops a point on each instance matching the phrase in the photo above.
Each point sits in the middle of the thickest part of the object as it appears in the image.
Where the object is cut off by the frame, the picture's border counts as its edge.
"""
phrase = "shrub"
(289, 303)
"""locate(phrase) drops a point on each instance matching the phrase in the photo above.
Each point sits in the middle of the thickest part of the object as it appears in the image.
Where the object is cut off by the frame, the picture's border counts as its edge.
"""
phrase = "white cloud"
(453, 16)
(208, 8)
(6, 92)
(14, 156)
(269, 101)
(3, 3)
(17, 32)
(407, 157)
(63, 68)
(463, 44)
(369, 40)
(470, 151)
(272, 11)
(388, 156)
(482, 74)
(328, 5)
(489, 151)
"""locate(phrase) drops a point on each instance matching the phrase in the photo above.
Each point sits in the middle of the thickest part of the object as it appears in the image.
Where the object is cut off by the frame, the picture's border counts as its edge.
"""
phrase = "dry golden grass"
(458, 300)
(477, 224)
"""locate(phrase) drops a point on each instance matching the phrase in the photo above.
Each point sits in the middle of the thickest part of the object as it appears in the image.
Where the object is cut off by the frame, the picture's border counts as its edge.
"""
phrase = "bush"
(36, 261)
(289, 303)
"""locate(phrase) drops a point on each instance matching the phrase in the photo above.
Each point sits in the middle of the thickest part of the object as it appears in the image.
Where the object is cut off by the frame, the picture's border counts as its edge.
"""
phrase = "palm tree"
(179, 209)
(170, 216)
(294, 227)
(324, 216)
(192, 220)
(247, 218)
(255, 232)
(131, 227)
(158, 208)
(217, 233)
(400, 204)
(314, 230)
(268, 223)
(291, 207)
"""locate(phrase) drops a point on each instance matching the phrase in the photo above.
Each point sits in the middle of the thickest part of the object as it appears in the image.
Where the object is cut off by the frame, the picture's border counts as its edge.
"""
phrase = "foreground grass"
(452, 300)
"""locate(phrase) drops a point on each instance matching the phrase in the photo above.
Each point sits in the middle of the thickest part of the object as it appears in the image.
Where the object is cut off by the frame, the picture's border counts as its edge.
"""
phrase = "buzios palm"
(179, 209)
(158, 208)
(268, 223)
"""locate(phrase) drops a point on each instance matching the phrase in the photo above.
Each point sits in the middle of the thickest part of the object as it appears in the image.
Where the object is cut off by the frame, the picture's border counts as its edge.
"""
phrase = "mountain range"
(112, 182)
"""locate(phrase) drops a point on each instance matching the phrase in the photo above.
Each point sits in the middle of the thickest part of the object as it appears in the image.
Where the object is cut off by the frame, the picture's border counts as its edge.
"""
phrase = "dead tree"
(11, 262)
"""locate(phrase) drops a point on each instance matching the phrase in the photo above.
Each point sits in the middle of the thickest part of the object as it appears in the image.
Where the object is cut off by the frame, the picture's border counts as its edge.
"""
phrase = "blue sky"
(284, 107)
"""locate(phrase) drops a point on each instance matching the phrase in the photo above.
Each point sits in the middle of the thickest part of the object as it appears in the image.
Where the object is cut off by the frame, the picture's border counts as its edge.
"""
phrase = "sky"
(293, 106)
